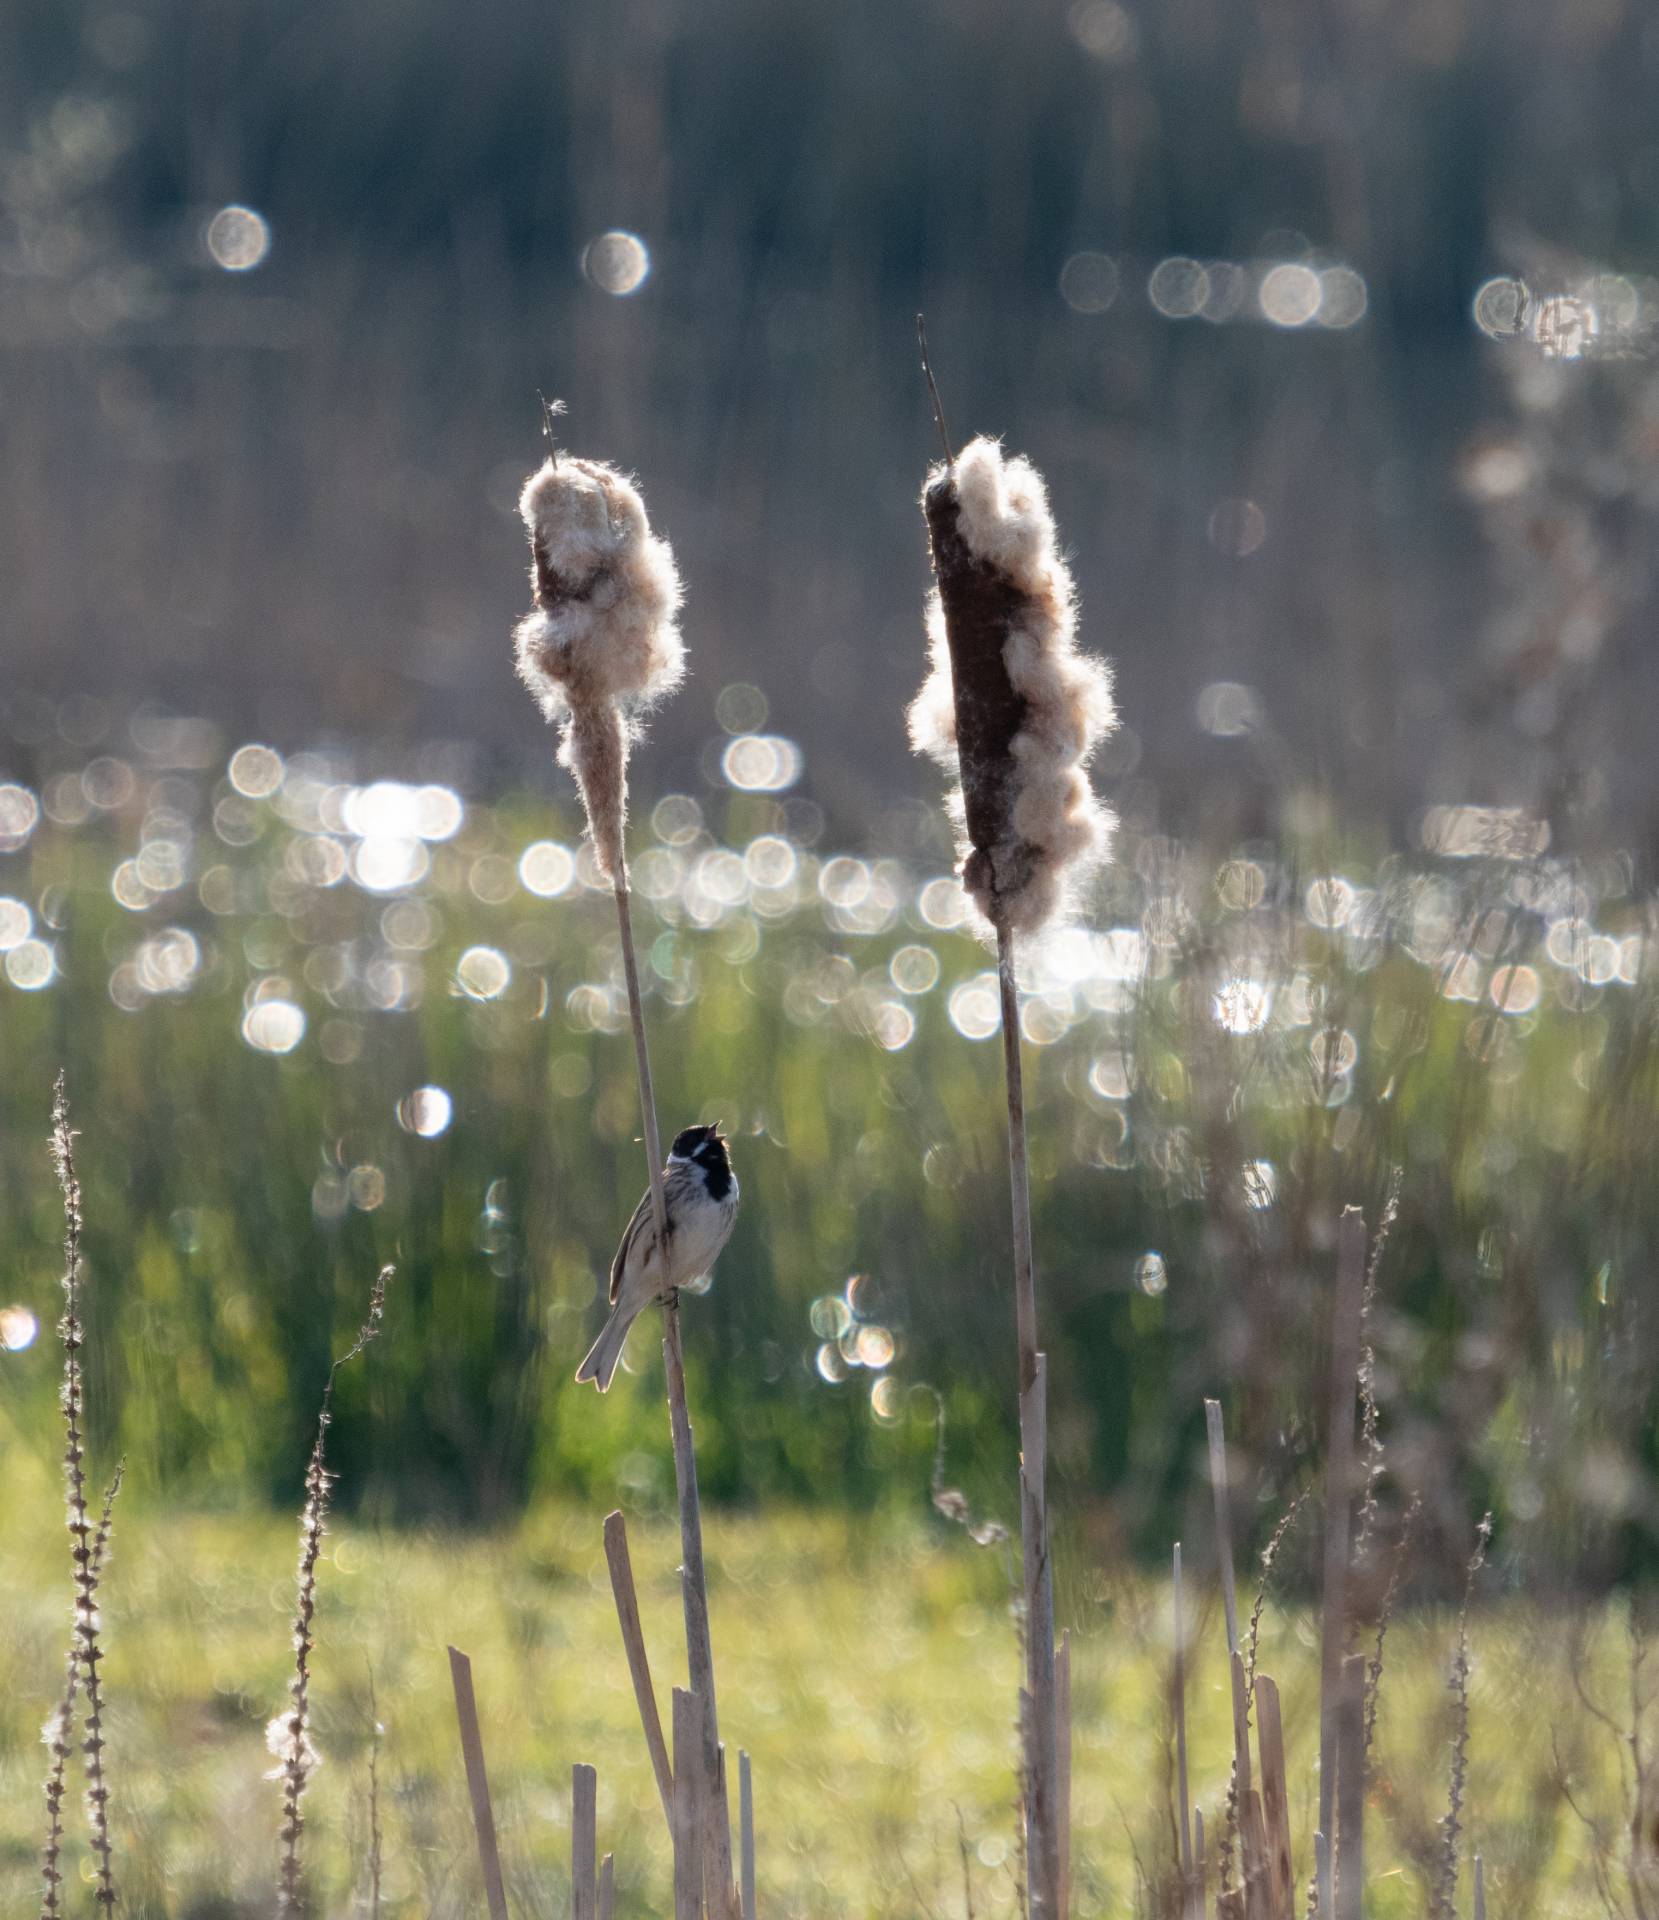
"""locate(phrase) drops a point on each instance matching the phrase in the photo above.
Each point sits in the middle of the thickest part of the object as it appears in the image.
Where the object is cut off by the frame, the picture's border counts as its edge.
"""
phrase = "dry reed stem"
(746, 1830)
(1062, 1767)
(607, 1886)
(639, 1666)
(1198, 1876)
(1339, 1490)
(1223, 1518)
(1350, 1791)
(584, 1843)
(1275, 1799)
(62, 1724)
(289, 1734)
(1178, 1688)
(1480, 1889)
(85, 1635)
(688, 1805)
(374, 1803)
(478, 1782)
(1239, 1793)
(1444, 1905)
(1039, 1757)
(693, 1579)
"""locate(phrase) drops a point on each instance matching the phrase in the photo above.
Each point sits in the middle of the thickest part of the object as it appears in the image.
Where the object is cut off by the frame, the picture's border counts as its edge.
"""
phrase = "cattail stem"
(693, 1580)
(1178, 1686)
(1339, 1491)
(1041, 1815)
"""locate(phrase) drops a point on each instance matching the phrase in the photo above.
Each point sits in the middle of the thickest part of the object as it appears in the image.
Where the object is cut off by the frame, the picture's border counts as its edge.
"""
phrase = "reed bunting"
(699, 1193)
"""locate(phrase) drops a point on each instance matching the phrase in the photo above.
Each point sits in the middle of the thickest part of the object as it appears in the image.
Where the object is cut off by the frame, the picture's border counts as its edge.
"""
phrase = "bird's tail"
(606, 1352)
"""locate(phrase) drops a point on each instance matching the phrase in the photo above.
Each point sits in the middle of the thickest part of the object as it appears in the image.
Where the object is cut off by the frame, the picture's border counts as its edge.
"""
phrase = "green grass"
(868, 1665)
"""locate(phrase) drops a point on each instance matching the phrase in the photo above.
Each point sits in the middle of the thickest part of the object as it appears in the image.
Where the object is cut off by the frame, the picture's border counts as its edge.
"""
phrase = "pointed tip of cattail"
(1010, 704)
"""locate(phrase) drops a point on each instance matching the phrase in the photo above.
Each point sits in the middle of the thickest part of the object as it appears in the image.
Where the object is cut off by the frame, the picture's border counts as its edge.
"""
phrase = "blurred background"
(1332, 331)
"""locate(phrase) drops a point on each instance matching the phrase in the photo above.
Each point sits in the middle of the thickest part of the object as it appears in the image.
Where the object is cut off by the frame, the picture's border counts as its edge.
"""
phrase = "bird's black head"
(704, 1147)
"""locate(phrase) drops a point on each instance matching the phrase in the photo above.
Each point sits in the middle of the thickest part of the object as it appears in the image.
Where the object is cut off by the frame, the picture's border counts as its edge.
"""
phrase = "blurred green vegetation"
(1261, 1035)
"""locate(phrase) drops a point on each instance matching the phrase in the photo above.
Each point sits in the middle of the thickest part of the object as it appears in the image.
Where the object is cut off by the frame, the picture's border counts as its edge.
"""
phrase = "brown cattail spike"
(1010, 706)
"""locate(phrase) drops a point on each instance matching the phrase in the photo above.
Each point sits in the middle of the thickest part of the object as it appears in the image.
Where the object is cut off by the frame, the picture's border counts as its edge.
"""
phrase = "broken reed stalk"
(1480, 1890)
(639, 1666)
(1178, 1691)
(1062, 1765)
(746, 1832)
(599, 648)
(84, 1637)
(61, 1726)
(1201, 1901)
(1011, 711)
(478, 1782)
(1339, 1493)
(584, 1843)
(1275, 1798)
(689, 1793)
(374, 1803)
(1350, 1791)
(607, 1886)
(289, 1734)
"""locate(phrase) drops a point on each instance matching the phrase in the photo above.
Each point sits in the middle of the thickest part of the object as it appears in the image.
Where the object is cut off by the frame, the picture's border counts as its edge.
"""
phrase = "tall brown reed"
(86, 1648)
(1011, 711)
(289, 1734)
(599, 648)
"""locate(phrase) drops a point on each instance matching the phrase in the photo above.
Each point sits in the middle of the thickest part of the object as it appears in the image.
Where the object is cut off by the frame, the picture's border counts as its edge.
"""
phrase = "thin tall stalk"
(1041, 1810)
(693, 1581)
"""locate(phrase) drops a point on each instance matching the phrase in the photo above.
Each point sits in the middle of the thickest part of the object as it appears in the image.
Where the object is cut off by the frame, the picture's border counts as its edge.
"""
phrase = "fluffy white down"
(1059, 829)
(609, 632)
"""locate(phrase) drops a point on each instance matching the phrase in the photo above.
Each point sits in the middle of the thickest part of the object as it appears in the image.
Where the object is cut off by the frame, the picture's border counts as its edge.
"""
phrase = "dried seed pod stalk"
(1013, 710)
(599, 649)
(1010, 706)
(600, 645)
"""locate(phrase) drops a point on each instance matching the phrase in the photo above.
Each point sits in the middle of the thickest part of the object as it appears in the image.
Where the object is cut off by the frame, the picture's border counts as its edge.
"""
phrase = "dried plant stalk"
(1178, 1691)
(1275, 1797)
(478, 1782)
(1012, 711)
(1217, 1438)
(289, 1734)
(600, 647)
(639, 1666)
(85, 1640)
(1444, 1905)
(607, 1886)
(1350, 1791)
(1062, 1767)
(584, 1843)
(1339, 1492)
(1391, 1595)
(689, 1794)
(59, 1730)
(746, 1830)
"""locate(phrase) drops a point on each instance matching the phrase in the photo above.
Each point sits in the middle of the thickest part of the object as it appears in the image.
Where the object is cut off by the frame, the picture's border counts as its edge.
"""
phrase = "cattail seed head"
(602, 643)
(1010, 706)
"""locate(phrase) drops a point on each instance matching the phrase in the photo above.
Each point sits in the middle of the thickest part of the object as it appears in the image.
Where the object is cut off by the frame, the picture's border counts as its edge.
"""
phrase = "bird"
(699, 1193)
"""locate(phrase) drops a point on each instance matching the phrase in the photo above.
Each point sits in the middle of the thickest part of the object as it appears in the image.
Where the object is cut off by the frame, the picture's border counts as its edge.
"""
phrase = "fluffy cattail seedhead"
(601, 645)
(1010, 706)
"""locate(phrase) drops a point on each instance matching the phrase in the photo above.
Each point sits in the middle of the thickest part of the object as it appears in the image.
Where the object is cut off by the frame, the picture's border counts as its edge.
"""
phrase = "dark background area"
(284, 498)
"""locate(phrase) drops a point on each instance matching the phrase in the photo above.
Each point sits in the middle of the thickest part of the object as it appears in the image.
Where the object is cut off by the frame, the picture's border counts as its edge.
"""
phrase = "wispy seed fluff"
(1010, 707)
(602, 644)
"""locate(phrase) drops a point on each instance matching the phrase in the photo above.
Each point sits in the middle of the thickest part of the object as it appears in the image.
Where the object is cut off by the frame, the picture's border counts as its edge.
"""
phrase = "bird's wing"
(641, 1223)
